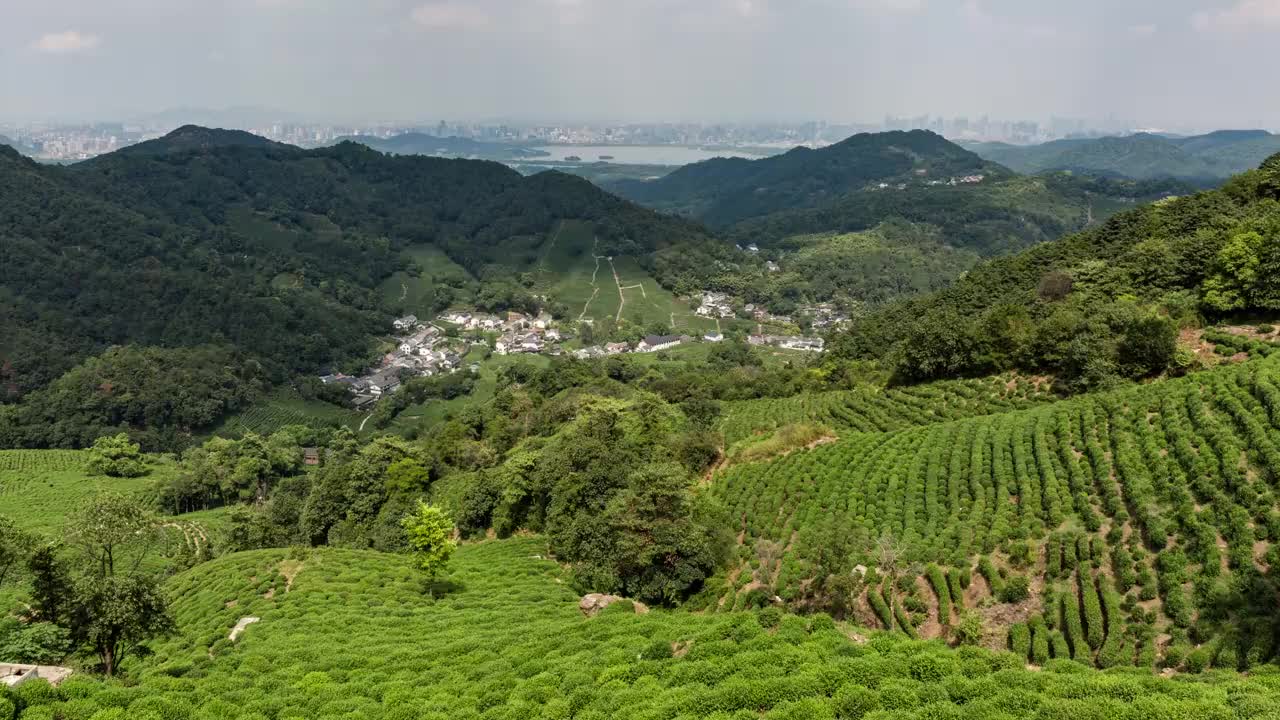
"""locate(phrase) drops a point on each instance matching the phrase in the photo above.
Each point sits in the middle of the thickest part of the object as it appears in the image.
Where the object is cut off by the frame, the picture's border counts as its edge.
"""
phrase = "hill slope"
(1135, 492)
(1200, 158)
(353, 633)
(183, 241)
(1061, 307)
(724, 191)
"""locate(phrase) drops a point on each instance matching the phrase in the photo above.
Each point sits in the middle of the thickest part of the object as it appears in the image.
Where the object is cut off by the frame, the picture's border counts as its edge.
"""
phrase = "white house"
(713, 337)
(654, 343)
(408, 322)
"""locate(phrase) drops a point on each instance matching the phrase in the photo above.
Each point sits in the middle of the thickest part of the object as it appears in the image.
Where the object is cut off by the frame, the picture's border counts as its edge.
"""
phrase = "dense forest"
(1096, 305)
(221, 238)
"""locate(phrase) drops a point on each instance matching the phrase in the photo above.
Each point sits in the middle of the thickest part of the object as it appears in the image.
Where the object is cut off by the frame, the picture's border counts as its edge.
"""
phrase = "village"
(425, 349)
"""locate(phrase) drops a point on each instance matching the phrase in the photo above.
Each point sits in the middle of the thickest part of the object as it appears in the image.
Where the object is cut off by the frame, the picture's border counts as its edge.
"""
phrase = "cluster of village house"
(424, 349)
(720, 305)
(421, 350)
(962, 180)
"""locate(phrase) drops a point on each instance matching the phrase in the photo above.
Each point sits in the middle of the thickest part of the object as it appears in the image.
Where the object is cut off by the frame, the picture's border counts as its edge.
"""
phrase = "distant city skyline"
(1160, 63)
(63, 142)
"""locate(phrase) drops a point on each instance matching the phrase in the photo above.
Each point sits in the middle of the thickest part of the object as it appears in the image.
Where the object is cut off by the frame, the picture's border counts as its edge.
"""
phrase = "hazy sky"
(1170, 62)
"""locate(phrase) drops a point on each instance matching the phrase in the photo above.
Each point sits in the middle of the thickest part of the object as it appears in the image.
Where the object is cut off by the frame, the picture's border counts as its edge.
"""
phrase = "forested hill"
(723, 191)
(1206, 159)
(209, 236)
(10, 142)
(1096, 305)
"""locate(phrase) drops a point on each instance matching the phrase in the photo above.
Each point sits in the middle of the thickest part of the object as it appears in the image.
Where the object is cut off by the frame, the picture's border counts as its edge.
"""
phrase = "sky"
(1162, 63)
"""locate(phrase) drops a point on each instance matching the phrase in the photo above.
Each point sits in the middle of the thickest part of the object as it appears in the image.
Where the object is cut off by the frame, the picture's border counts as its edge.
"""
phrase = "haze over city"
(1155, 63)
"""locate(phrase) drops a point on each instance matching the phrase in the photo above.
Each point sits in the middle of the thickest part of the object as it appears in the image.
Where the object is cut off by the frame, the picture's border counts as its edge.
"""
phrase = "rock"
(240, 626)
(592, 603)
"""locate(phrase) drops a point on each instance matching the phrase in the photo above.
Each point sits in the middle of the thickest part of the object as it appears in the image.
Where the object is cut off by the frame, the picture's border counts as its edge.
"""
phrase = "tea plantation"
(1138, 526)
(357, 634)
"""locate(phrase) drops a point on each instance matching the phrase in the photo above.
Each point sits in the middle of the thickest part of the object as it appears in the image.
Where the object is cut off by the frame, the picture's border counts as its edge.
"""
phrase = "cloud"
(1244, 15)
(1145, 30)
(450, 16)
(69, 41)
(889, 6)
(980, 19)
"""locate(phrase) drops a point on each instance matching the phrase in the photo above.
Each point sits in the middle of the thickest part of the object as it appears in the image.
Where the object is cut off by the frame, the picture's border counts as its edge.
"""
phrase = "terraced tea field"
(877, 410)
(1144, 520)
(356, 634)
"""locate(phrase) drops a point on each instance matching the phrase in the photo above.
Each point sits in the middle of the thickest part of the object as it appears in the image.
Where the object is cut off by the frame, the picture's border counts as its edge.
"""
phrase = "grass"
(417, 294)
(40, 488)
(569, 272)
(360, 634)
(285, 407)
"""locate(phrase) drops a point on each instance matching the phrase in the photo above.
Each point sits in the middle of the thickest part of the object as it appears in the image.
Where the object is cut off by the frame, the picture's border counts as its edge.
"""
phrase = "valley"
(337, 433)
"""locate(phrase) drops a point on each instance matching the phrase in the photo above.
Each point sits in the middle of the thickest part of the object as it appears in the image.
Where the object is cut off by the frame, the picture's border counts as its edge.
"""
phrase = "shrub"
(1020, 640)
(1016, 589)
(969, 630)
(852, 702)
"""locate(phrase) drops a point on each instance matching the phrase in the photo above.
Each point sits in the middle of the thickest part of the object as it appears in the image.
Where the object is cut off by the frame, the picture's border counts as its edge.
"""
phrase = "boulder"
(592, 603)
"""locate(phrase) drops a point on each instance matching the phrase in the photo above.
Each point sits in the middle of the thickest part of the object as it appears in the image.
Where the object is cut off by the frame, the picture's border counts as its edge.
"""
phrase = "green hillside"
(1077, 307)
(1156, 501)
(1200, 158)
(281, 261)
(344, 633)
(724, 191)
(583, 277)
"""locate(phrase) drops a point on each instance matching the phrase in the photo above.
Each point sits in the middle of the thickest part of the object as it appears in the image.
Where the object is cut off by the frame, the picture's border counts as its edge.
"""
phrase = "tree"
(110, 526)
(1148, 345)
(429, 532)
(15, 543)
(1235, 273)
(116, 456)
(52, 593)
(407, 475)
(665, 540)
(118, 613)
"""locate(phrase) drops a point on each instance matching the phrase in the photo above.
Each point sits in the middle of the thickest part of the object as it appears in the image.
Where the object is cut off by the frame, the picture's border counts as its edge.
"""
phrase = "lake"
(637, 154)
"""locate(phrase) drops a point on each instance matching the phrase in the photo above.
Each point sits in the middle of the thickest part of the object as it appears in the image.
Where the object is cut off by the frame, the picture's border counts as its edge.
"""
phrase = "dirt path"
(542, 263)
(622, 297)
(404, 292)
(931, 628)
(365, 420)
(587, 307)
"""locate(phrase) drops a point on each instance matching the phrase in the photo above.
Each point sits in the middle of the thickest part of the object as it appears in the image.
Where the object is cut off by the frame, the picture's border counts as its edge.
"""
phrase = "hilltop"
(725, 191)
(1204, 159)
(193, 138)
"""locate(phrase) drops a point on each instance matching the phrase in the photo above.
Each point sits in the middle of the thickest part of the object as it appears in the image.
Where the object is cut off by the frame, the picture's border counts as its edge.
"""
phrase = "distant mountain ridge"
(725, 191)
(1205, 158)
(193, 138)
(423, 144)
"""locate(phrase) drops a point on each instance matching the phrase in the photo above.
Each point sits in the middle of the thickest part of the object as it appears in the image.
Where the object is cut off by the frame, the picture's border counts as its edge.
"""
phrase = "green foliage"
(429, 532)
(116, 456)
(1133, 280)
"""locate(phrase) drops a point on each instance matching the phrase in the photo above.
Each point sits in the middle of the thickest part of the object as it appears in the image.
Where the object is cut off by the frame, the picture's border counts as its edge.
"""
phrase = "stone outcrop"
(592, 603)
